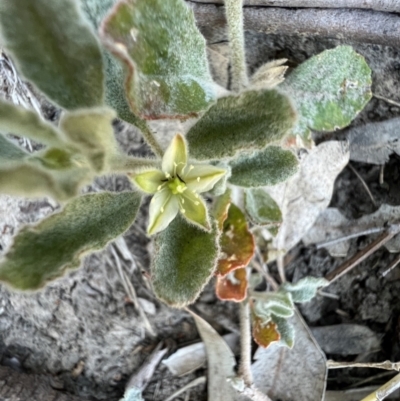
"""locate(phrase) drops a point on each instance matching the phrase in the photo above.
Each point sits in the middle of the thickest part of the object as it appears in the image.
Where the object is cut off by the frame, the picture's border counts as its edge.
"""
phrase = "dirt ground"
(83, 332)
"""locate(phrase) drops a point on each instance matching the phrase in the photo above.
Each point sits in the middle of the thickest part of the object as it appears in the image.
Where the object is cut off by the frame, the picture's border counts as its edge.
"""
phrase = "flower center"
(176, 186)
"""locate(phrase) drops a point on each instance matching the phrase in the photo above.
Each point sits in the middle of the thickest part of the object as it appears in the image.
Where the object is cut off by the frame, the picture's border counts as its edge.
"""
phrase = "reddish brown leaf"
(237, 242)
(233, 286)
(265, 333)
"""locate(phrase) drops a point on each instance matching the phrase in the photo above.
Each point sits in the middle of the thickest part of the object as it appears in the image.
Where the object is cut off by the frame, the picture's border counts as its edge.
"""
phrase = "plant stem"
(149, 137)
(234, 16)
(245, 344)
(130, 164)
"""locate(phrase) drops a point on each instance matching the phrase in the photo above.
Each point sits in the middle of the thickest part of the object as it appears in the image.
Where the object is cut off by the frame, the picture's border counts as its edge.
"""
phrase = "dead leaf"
(237, 242)
(374, 142)
(327, 229)
(265, 334)
(221, 362)
(233, 286)
(307, 193)
(292, 374)
(346, 339)
(192, 357)
(219, 59)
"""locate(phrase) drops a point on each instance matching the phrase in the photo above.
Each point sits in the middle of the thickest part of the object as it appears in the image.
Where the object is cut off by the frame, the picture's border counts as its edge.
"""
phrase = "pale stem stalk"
(245, 344)
(149, 137)
(234, 17)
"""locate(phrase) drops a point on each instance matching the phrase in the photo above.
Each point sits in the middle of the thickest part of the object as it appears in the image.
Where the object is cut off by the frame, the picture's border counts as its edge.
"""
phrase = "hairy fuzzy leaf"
(43, 252)
(22, 122)
(95, 11)
(251, 120)
(92, 132)
(55, 49)
(266, 167)
(305, 289)
(265, 333)
(261, 208)
(164, 56)
(285, 329)
(237, 242)
(184, 261)
(9, 151)
(330, 89)
(269, 303)
(233, 286)
(221, 208)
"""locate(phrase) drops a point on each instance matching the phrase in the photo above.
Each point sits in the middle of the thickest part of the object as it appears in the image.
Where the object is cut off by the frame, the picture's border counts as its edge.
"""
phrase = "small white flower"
(176, 187)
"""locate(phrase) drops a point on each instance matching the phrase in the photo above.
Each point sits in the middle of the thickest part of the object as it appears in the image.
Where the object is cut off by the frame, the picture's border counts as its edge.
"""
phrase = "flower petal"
(202, 178)
(194, 210)
(148, 181)
(163, 209)
(175, 156)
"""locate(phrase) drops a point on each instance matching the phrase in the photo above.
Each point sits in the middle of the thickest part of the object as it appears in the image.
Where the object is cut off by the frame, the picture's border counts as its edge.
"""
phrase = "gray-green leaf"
(263, 168)
(330, 89)
(261, 208)
(305, 289)
(164, 55)
(55, 49)
(9, 151)
(184, 261)
(22, 122)
(249, 121)
(43, 252)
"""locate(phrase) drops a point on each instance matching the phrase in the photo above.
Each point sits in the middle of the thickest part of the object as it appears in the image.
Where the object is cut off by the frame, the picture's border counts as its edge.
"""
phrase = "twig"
(387, 365)
(234, 16)
(281, 268)
(387, 100)
(363, 254)
(261, 267)
(130, 291)
(377, 5)
(364, 184)
(392, 265)
(387, 389)
(369, 231)
(245, 344)
(360, 26)
(370, 379)
(194, 383)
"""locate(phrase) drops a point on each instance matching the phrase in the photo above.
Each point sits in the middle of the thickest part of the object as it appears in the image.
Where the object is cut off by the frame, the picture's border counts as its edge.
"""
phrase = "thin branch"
(386, 365)
(392, 265)
(377, 5)
(194, 383)
(360, 26)
(281, 268)
(363, 254)
(245, 344)
(387, 389)
(234, 16)
(364, 184)
(390, 101)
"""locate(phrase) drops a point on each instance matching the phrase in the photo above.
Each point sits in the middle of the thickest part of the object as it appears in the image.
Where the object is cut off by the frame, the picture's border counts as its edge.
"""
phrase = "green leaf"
(249, 121)
(95, 11)
(267, 167)
(237, 242)
(9, 151)
(286, 330)
(55, 49)
(330, 89)
(305, 289)
(184, 261)
(22, 122)
(167, 74)
(92, 132)
(261, 208)
(43, 252)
